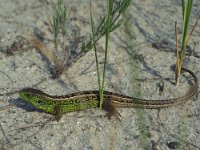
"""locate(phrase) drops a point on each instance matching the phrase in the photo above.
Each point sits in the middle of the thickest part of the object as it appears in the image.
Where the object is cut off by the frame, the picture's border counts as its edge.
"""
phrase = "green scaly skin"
(58, 105)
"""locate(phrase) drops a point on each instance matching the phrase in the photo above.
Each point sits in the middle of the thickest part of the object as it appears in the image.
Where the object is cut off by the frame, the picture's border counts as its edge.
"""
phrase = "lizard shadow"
(20, 103)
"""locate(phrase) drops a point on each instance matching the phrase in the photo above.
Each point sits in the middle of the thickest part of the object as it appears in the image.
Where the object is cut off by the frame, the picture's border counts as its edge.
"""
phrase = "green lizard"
(58, 105)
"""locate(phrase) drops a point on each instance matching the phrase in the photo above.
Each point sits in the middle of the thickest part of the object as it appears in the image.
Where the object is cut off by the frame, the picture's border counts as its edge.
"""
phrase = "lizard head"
(35, 97)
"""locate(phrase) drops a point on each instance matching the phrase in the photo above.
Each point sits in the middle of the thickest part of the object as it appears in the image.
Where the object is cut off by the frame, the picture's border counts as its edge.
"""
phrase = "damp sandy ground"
(141, 50)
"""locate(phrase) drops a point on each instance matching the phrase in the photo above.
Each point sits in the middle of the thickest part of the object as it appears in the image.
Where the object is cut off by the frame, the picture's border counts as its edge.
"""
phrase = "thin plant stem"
(110, 6)
(192, 30)
(177, 57)
(186, 11)
(95, 49)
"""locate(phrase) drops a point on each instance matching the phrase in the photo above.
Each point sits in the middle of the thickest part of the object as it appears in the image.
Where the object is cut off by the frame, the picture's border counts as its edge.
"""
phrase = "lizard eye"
(40, 102)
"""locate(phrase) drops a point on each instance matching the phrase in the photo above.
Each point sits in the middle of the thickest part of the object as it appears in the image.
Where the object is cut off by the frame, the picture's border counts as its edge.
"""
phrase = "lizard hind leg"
(110, 110)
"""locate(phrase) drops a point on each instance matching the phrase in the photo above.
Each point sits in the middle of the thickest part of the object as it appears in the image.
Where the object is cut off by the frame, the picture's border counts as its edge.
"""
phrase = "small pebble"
(172, 144)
